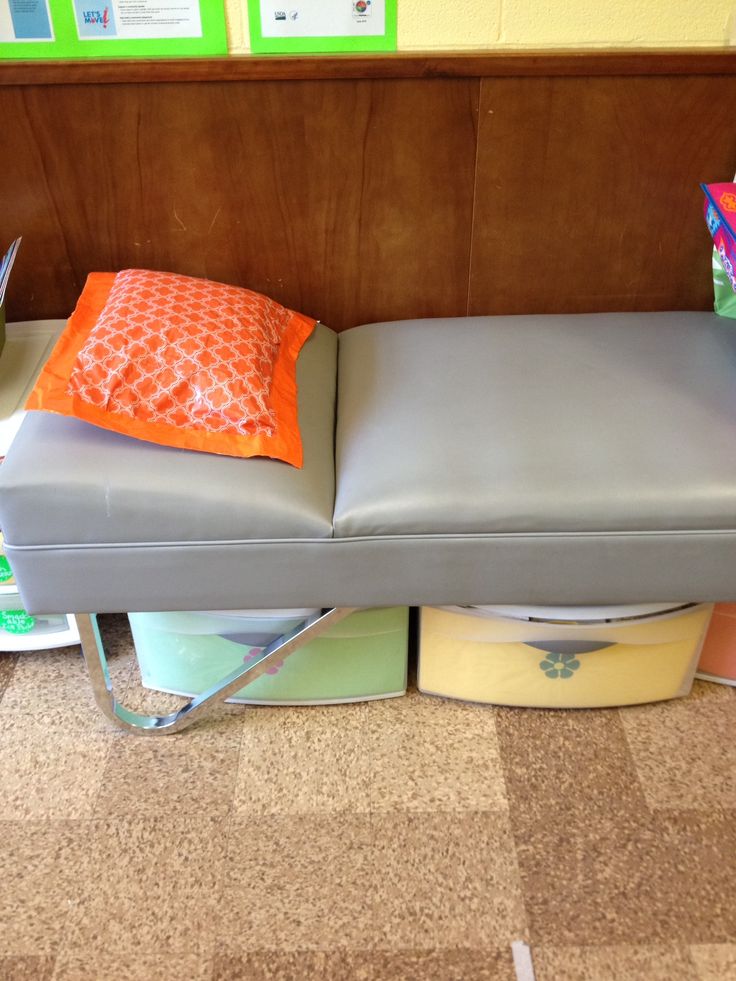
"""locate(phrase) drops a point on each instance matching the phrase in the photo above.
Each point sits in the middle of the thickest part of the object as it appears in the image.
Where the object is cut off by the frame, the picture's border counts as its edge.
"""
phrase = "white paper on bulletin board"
(26, 21)
(138, 19)
(322, 18)
(111, 28)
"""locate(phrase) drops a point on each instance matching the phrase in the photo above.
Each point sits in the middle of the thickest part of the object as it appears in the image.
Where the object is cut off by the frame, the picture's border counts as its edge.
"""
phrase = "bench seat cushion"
(605, 422)
(74, 495)
(598, 452)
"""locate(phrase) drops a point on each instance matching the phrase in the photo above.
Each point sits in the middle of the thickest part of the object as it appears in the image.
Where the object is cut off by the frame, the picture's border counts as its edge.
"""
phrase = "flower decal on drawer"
(560, 665)
(255, 654)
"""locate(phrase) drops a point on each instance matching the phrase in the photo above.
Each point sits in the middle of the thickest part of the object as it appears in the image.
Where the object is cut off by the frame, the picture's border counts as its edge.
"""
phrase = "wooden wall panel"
(587, 194)
(361, 189)
(349, 200)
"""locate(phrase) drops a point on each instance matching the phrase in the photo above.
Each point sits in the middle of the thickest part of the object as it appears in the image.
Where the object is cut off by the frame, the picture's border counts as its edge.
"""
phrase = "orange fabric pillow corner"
(180, 361)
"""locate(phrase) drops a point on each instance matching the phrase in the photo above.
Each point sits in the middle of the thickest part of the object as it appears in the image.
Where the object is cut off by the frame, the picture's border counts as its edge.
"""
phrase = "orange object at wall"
(718, 657)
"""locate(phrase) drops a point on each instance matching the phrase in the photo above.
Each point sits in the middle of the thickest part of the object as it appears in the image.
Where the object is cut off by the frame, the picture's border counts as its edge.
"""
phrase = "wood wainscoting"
(372, 188)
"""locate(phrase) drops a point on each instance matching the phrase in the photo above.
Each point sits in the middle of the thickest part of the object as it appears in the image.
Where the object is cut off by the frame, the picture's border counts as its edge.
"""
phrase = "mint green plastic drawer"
(362, 657)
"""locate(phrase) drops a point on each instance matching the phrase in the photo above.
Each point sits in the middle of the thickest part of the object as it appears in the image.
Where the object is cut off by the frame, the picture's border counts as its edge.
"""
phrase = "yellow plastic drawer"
(512, 661)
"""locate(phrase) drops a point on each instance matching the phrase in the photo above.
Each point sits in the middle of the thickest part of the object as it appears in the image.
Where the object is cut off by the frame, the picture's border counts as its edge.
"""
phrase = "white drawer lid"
(573, 614)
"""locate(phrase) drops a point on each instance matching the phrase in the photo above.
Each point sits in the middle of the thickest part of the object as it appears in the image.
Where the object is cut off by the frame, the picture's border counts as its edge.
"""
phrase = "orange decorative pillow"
(181, 362)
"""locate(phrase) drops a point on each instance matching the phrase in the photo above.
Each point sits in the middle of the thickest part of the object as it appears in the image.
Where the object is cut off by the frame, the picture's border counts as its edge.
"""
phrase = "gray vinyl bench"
(568, 459)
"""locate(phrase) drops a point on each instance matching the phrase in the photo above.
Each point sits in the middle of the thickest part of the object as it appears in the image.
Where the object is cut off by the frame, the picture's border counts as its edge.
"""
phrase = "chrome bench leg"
(94, 656)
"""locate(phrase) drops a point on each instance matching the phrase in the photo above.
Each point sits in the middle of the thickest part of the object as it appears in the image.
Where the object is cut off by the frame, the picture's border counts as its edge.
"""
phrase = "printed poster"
(100, 28)
(136, 19)
(25, 20)
(322, 25)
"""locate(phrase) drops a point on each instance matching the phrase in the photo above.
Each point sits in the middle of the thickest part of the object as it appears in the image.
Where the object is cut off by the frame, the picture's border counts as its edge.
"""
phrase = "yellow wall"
(425, 25)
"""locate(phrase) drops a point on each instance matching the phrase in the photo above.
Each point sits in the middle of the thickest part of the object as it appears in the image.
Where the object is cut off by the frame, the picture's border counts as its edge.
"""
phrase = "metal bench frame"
(153, 725)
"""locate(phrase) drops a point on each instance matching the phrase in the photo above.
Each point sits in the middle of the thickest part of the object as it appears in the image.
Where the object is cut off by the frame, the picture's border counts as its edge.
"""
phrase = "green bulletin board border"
(318, 45)
(68, 45)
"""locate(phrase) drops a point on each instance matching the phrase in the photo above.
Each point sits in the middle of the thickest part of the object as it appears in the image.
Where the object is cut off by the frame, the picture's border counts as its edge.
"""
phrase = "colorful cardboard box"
(720, 216)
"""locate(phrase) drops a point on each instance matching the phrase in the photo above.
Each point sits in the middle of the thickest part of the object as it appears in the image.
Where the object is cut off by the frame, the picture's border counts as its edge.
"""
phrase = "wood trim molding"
(553, 63)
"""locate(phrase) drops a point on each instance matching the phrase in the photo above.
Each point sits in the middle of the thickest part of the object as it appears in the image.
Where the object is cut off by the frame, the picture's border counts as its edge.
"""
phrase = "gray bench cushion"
(65, 482)
(587, 423)
(566, 459)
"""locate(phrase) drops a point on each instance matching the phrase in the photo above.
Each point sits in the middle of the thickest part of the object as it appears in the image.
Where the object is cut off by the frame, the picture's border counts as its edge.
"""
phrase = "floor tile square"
(440, 881)
(423, 965)
(579, 756)
(48, 773)
(156, 887)
(626, 879)
(44, 874)
(313, 759)
(26, 968)
(139, 965)
(643, 963)
(685, 753)
(298, 882)
(714, 962)
(433, 754)
(192, 773)
(367, 965)
(272, 965)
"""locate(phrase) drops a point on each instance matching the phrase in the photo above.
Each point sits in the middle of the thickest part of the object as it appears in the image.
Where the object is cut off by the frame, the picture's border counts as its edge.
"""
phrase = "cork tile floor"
(413, 838)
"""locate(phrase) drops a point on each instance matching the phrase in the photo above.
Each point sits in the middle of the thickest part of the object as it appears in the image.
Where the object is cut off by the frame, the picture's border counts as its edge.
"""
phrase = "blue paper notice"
(31, 21)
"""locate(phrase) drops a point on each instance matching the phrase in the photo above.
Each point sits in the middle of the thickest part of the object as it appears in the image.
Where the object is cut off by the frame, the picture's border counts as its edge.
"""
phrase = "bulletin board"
(313, 26)
(111, 28)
